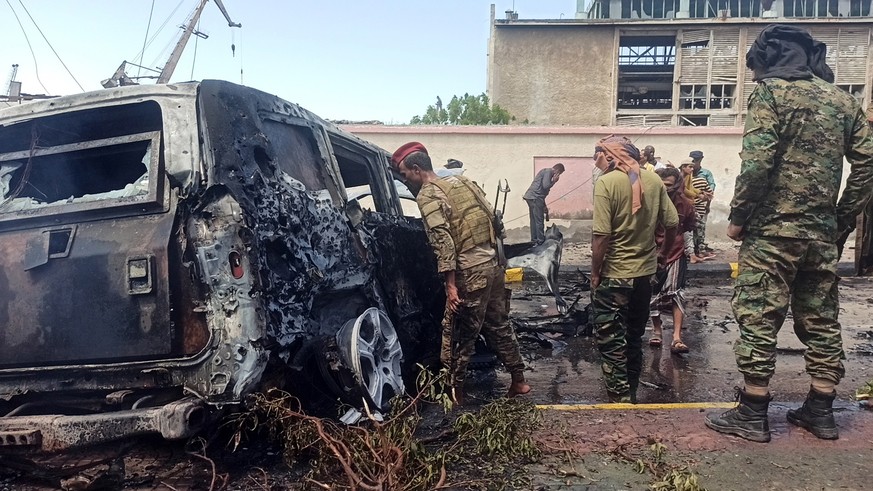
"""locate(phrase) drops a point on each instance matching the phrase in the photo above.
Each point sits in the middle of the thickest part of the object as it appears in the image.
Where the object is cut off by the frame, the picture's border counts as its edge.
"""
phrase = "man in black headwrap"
(785, 211)
(788, 53)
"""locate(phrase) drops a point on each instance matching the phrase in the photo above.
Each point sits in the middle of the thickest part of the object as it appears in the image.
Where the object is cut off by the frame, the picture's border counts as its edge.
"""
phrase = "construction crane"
(13, 88)
(120, 76)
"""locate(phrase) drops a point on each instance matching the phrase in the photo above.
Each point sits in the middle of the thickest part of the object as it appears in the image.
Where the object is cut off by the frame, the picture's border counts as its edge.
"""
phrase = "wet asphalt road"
(569, 372)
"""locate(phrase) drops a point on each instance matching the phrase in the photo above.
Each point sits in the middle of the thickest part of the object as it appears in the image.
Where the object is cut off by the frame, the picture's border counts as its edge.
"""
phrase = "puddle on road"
(569, 371)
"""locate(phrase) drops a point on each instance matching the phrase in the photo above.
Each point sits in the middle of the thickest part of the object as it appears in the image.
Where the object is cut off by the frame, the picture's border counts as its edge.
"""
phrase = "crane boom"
(121, 78)
(173, 60)
(230, 23)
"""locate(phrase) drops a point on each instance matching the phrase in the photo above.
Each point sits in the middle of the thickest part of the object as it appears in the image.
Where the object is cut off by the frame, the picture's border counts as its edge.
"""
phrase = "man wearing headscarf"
(785, 211)
(628, 206)
(669, 294)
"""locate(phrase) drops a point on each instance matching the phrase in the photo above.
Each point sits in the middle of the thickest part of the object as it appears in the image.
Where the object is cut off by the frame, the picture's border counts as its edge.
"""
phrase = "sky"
(384, 60)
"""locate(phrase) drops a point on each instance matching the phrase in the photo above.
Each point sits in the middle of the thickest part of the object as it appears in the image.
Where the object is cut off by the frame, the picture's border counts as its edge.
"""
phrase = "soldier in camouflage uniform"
(628, 206)
(798, 130)
(459, 225)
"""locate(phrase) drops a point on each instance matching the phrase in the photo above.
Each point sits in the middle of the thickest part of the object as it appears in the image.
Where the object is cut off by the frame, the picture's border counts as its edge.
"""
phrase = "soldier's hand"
(453, 301)
(735, 232)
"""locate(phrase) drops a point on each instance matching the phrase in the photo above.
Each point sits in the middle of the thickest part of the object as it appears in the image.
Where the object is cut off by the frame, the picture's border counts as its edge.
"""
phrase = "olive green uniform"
(797, 133)
(458, 221)
(620, 304)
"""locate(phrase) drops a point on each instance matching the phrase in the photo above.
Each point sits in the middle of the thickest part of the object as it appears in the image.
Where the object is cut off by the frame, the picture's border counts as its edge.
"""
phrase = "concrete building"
(659, 62)
(667, 73)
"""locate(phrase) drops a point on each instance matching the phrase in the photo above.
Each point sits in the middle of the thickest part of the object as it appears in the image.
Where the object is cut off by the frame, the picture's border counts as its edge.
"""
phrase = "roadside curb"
(704, 270)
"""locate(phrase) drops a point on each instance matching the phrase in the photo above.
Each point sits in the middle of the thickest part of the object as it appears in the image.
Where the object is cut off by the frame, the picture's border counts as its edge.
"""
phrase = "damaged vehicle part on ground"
(169, 249)
(544, 259)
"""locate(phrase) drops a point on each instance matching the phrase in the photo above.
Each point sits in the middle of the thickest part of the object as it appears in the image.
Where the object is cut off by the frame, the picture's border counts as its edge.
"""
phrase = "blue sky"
(343, 59)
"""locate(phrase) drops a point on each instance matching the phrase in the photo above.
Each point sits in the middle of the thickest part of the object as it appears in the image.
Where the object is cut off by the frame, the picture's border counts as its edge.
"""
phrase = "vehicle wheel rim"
(373, 351)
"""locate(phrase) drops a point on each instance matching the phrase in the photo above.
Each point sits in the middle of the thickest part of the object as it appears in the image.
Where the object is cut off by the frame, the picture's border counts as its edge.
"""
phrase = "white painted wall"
(490, 153)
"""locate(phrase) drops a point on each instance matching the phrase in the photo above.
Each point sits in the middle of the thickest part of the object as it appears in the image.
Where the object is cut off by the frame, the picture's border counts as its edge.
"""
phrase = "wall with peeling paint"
(490, 153)
(544, 75)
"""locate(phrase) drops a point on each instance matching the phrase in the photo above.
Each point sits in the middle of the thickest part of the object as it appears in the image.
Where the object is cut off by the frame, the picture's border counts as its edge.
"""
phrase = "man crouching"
(459, 225)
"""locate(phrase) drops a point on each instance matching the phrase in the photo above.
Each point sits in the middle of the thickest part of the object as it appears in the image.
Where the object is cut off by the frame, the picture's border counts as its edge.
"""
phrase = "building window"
(647, 56)
(702, 96)
(730, 8)
(859, 8)
(692, 97)
(701, 120)
(721, 96)
(649, 9)
(857, 91)
(645, 72)
(814, 8)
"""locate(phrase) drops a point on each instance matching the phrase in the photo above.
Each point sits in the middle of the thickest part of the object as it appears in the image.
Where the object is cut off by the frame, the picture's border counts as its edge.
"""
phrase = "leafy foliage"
(865, 393)
(466, 110)
(667, 477)
(393, 454)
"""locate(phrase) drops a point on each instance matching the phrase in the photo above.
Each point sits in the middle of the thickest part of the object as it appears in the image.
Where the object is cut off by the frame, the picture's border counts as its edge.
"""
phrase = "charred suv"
(167, 250)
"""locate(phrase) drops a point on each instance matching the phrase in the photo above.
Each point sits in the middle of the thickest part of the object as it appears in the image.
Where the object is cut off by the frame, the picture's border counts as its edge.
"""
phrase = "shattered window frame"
(694, 120)
(346, 152)
(705, 97)
(80, 204)
(646, 68)
(314, 176)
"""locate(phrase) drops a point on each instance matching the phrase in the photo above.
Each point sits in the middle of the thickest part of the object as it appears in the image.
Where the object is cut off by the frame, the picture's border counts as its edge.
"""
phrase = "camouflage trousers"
(619, 312)
(773, 273)
(484, 309)
(700, 233)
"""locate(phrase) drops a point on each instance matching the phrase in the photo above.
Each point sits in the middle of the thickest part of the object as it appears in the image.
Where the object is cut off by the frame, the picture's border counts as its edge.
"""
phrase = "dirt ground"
(597, 447)
(585, 447)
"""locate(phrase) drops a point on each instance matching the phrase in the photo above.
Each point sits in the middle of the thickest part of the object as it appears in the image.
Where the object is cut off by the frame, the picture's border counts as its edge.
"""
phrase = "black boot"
(816, 415)
(748, 420)
(634, 385)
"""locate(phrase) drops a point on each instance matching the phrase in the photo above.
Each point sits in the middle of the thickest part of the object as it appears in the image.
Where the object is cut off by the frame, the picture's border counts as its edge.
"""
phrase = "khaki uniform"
(457, 219)
(796, 136)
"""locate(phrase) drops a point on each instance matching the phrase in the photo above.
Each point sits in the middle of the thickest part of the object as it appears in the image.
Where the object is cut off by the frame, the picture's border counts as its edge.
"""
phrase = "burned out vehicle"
(167, 250)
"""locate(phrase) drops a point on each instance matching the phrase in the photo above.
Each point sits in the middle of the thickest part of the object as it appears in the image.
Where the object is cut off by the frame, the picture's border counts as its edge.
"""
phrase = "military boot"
(619, 398)
(634, 385)
(816, 415)
(748, 420)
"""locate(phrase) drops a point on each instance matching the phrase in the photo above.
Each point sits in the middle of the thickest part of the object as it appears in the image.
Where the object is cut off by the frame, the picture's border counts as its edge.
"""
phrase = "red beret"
(404, 151)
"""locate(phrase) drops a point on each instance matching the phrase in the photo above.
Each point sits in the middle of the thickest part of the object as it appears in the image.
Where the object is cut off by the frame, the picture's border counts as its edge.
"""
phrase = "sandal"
(655, 342)
(678, 347)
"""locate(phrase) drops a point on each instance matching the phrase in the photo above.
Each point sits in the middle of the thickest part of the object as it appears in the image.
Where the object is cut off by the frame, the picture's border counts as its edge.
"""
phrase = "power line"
(233, 48)
(145, 39)
(577, 187)
(554, 200)
(158, 31)
(35, 66)
(50, 45)
(194, 60)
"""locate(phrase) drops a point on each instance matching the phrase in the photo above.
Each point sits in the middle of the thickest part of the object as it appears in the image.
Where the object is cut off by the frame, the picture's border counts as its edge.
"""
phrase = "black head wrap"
(789, 53)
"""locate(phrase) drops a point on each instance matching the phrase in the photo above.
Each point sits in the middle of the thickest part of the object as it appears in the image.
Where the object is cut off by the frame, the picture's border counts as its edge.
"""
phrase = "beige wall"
(545, 74)
(490, 153)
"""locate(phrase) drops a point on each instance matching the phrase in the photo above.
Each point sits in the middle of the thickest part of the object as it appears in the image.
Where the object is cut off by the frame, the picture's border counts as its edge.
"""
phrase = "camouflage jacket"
(456, 218)
(797, 134)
